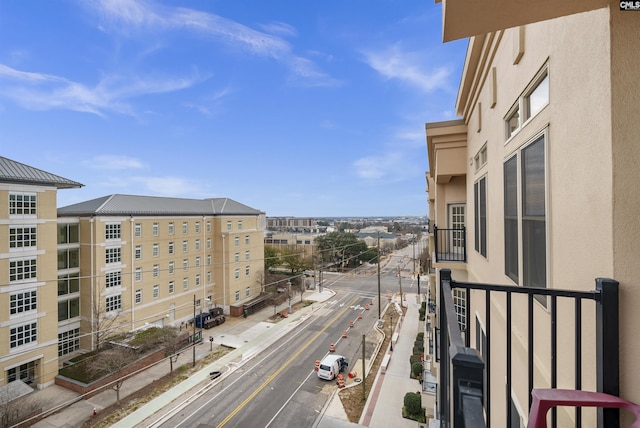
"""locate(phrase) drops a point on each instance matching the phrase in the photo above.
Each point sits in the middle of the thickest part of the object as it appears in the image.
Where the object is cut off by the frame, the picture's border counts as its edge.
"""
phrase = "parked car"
(331, 366)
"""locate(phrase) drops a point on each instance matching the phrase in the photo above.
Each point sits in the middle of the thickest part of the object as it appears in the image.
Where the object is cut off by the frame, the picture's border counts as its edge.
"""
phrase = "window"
(20, 270)
(113, 279)
(112, 255)
(197, 244)
(112, 231)
(209, 260)
(229, 225)
(156, 250)
(209, 276)
(208, 226)
(22, 204)
(113, 303)
(247, 270)
(68, 284)
(138, 296)
(480, 158)
(197, 227)
(138, 274)
(530, 245)
(513, 121)
(239, 224)
(511, 219)
(480, 217)
(155, 229)
(156, 291)
(138, 252)
(197, 280)
(246, 240)
(68, 309)
(236, 241)
(22, 237)
(171, 287)
(68, 342)
(237, 257)
(68, 234)
(171, 228)
(237, 273)
(197, 262)
(170, 247)
(247, 255)
(24, 301)
(185, 227)
(185, 264)
(538, 96)
(68, 258)
(237, 295)
(23, 334)
(138, 230)
(185, 283)
(156, 271)
(171, 268)
(208, 243)
(460, 304)
(247, 292)
(185, 246)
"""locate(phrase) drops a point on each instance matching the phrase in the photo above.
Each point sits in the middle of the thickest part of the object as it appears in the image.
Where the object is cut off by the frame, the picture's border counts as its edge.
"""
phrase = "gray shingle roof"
(16, 172)
(154, 205)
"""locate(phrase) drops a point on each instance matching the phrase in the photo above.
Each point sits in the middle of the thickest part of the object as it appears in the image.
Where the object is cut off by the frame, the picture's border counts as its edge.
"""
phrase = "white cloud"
(39, 91)
(114, 162)
(123, 15)
(169, 186)
(409, 67)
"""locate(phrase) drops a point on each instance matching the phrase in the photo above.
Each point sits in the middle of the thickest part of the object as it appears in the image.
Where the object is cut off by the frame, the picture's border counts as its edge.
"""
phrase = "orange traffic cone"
(317, 365)
(332, 348)
(344, 334)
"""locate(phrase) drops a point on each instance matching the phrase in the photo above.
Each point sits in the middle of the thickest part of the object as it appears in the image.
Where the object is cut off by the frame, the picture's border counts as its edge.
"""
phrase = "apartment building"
(28, 294)
(535, 187)
(154, 261)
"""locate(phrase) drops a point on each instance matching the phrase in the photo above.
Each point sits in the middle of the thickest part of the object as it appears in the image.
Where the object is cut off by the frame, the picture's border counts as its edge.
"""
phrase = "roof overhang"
(464, 18)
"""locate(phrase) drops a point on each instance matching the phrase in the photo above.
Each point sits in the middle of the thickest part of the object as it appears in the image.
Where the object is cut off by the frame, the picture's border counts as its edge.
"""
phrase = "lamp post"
(391, 315)
(289, 293)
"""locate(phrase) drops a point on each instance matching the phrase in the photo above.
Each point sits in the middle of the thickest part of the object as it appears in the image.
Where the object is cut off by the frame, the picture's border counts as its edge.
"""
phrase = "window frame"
(23, 335)
(23, 237)
(23, 204)
(112, 231)
(480, 207)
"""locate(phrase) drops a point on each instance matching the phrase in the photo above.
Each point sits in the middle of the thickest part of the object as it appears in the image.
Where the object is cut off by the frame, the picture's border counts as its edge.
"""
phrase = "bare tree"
(104, 323)
(13, 408)
(113, 361)
(173, 343)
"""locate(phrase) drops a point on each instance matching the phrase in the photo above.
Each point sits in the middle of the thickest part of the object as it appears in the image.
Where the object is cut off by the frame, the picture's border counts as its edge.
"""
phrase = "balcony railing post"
(607, 344)
(467, 374)
(444, 407)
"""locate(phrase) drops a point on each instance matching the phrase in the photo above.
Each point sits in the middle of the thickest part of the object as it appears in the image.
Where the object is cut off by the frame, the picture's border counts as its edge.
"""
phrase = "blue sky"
(294, 107)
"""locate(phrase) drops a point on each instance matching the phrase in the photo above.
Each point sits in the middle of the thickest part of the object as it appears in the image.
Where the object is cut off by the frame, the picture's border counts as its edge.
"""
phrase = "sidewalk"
(250, 335)
(383, 408)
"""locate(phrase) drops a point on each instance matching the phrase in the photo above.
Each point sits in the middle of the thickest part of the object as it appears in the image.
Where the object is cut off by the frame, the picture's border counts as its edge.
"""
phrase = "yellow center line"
(282, 367)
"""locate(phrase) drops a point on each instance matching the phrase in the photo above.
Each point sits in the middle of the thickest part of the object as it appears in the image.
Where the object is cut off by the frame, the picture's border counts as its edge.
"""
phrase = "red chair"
(545, 399)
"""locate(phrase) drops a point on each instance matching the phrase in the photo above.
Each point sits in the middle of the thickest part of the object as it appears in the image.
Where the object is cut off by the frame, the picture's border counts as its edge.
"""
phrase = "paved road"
(279, 387)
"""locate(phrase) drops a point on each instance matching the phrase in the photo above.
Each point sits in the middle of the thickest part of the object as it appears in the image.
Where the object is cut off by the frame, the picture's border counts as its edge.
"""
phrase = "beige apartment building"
(536, 185)
(28, 291)
(154, 261)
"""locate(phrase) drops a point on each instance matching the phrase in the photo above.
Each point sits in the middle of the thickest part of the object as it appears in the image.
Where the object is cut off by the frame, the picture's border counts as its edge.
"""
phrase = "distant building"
(303, 242)
(144, 260)
(283, 223)
(30, 293)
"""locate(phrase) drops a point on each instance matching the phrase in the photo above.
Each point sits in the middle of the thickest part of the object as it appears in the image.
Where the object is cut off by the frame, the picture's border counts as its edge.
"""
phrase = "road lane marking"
(282, 367)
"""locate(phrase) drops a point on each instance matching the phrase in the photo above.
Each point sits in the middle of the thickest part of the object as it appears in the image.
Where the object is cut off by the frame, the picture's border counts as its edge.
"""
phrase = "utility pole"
(379, 305)
(194, 330)
(400, 283)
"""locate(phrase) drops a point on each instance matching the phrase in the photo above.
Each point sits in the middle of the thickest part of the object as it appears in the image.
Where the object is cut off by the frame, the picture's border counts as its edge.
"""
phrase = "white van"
(331, 365)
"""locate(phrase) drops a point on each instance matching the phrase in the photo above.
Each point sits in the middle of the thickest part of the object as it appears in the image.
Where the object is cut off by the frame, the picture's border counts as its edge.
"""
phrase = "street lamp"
(289, 293)
(194, 326)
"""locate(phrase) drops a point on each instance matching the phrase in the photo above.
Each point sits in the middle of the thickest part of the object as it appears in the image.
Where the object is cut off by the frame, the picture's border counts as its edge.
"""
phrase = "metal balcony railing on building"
(450, 244)
(466, 372)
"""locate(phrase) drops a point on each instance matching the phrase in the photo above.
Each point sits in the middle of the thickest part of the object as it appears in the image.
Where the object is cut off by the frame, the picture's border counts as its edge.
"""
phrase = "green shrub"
(420, 336)
(415, 358)
(416, 369)
(413, 403)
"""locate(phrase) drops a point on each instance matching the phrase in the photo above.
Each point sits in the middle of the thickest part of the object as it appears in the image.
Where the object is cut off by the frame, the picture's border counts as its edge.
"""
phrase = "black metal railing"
(465, 375)
(450, 244)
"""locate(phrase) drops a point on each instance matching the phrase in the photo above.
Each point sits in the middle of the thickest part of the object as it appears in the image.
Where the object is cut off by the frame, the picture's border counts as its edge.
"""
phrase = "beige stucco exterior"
(591, 135)
(35, 362)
